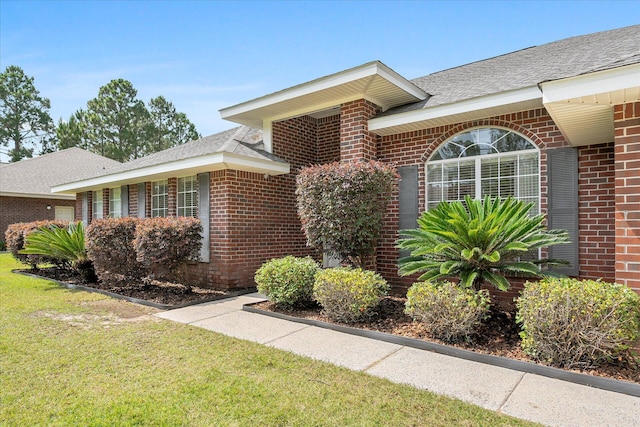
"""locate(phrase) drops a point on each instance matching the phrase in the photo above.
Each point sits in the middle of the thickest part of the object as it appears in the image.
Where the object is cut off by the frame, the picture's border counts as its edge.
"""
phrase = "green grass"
(63, 363)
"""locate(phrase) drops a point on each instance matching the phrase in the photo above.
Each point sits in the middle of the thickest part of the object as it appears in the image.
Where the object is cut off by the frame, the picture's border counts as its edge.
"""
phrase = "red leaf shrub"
(17, 233)
(110, 246)
(342, 204)
(162, 245)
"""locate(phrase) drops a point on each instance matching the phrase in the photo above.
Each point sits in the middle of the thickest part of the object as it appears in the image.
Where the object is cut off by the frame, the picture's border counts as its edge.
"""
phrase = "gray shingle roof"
(243, 140)
(528, 67)
(36, 176)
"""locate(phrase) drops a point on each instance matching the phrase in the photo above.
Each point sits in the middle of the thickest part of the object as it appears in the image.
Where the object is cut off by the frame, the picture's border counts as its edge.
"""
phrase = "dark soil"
(171, 294)
(498, 336)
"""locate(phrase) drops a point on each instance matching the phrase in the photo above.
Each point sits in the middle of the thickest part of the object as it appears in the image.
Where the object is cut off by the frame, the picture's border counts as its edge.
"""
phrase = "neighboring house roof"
(238, 148)
(34, 177)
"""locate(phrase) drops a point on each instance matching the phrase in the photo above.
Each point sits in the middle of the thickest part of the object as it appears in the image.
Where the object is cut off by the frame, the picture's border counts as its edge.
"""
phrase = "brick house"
(557, 124)
(25, 186)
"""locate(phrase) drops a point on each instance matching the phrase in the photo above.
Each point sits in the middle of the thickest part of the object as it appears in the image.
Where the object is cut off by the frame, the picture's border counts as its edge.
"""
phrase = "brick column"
(627, 164)
(356, 142)
(172, 196)
(105, 203)
(133, 200)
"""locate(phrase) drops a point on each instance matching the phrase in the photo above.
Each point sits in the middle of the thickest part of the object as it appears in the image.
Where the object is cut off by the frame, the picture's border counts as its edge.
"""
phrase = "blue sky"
(207, 55)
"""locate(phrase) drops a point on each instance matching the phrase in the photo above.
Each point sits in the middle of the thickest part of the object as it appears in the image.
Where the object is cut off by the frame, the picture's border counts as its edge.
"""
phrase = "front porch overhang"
(373, 81)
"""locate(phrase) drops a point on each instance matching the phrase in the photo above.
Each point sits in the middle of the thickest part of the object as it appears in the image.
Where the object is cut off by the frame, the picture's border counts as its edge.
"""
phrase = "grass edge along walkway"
(77, 358)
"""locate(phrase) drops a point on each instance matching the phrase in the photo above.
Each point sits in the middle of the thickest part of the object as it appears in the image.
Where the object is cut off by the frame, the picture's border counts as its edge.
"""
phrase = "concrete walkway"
(522, 395)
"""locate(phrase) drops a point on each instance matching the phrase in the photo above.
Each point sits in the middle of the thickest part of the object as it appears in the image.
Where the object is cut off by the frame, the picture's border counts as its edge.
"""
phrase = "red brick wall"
(596, 211)
(172, 196)
(133, 200)
(328, 131)
(595, 181)
(26, 209)
(356, 142)
(627, 198)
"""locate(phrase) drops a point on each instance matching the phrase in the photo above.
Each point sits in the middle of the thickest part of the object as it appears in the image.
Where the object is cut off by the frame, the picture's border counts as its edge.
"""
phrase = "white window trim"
(180, 210)
(478, 159)
(115, 203)
(97, 204)
(155, 197)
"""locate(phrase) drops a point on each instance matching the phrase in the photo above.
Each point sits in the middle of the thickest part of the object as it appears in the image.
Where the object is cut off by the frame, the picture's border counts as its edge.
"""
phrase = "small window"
(115, 202)
(188, 196)
(97, 204)
(159, 199)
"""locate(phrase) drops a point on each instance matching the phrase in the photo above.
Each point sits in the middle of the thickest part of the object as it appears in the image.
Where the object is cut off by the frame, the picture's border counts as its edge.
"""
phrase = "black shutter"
(408, 197)
(124, 200)
(408, 200)
(142, 199)
(563, 204)
(85, 208)
(203, 213)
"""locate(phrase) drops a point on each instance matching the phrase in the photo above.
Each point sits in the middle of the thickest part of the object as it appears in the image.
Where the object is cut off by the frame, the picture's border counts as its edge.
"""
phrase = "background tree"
(167, 127)
(24, 115)
(117, 121)
(118, 125)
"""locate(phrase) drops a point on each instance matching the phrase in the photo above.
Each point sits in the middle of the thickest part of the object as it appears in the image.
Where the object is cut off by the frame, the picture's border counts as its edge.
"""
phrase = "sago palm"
(61, 244)
(478, 241)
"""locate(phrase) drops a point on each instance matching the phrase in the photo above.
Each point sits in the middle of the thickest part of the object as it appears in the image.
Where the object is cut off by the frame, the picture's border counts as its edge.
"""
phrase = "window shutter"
(408, 200)
(563, 205)
(85, 208)
(203, 213)
(408, 197)
(142, 199)
(124, 200)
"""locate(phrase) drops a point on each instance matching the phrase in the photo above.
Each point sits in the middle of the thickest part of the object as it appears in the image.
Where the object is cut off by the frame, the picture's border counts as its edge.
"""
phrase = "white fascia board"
(591, 84)
(466, 106)
(213, 161)
(39, 196)
(323, 83)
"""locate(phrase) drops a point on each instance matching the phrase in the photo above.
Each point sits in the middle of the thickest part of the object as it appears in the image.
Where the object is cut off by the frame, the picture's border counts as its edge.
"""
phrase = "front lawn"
(76, 358)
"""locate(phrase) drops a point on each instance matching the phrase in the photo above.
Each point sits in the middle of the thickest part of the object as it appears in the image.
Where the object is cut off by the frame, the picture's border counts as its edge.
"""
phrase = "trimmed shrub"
(287, 281)
(574, 323)
(110, 246)
(15, 238)
(342, 205)
(162, 245)
(349, 294)
(448, 312)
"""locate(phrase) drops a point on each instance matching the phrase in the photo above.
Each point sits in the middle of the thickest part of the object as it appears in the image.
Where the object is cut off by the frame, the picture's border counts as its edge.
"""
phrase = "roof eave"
(373, 81)
(466, 110)
(582, 106)
(185, 167)
(38, 195)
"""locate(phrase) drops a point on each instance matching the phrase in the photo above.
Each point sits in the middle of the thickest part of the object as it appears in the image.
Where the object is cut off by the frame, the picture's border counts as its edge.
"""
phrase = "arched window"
(484, 161)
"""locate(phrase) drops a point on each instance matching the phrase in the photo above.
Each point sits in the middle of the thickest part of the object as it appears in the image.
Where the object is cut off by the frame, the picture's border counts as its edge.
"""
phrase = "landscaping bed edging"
(157, 305)
(602, 383)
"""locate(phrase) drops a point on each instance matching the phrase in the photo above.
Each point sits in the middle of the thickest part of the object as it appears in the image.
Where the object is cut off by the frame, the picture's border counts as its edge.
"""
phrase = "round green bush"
(287, 281)
(574, 323)
(349, 294)
(448, 311)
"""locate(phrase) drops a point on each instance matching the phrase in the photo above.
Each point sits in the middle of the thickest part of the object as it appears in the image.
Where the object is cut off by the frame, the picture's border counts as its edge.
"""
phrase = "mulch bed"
(498, 336)
(167, 294)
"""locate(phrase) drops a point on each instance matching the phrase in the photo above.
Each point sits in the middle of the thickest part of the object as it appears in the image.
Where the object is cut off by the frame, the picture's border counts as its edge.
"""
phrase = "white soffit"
(373, 81)
(463, 111)
(582, 106)
(186, 167)
(39, 195)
